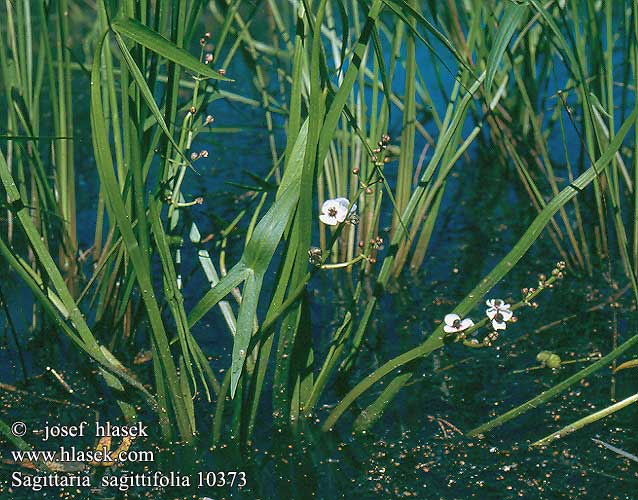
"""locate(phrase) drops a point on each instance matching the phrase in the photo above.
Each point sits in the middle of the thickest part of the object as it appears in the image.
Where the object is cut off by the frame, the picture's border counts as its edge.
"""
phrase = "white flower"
(336, 211)
(499, 312)
(454, 323)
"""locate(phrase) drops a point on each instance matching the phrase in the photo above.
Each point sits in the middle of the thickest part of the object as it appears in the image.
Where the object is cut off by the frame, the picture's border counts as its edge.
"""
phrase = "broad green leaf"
(256, 259)
(261, 247)
(267, 234)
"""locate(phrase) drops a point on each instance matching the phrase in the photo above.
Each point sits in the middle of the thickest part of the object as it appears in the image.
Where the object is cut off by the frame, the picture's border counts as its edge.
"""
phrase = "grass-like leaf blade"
(512, 17)
(152, 40)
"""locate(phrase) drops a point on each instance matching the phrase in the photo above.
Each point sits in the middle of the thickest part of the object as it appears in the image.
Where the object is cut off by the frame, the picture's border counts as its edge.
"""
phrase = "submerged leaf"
(548, 359)
(632, 363)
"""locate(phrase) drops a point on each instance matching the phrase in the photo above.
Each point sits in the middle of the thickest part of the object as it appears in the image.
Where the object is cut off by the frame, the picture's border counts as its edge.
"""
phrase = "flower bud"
(314, 256)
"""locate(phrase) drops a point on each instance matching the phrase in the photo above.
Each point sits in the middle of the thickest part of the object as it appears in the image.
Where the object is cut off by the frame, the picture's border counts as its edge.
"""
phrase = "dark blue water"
(417, 449)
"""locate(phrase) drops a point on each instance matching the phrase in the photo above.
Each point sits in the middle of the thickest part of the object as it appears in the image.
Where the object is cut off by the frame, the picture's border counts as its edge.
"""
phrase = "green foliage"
(524, 75)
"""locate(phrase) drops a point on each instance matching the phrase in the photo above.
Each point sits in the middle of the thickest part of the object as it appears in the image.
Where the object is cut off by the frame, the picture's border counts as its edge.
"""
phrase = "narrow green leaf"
(435, 340)
(402, 9)
(235, 276)
(139, 261)
(554, 391)
(339, 101)
(152, 40)
(140, 81)
(512, 17)
(589, 419)
(245, 323)
(266, 236)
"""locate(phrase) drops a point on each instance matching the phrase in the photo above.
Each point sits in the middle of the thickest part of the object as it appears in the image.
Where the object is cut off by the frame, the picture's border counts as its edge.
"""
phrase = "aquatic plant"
(335, 211)
(332, 74)
(499, 313)
(454, 323)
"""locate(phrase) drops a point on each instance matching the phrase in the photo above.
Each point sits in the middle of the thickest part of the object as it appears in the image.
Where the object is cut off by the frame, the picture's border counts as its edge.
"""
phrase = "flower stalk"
(498, 314)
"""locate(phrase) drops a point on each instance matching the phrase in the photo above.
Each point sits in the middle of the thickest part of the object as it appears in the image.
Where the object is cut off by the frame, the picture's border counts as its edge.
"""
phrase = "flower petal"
(507, 314)
(498, 326)
(505, 306)
(489, 302)
(449, 329)
(326, 219)
(341, 214)
(327, 205)
(451, 318)
(344, 202)
(466, 323)
(491, 312)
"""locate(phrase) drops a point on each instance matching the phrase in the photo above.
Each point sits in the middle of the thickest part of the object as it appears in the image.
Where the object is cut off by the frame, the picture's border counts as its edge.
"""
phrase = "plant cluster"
(334, 75)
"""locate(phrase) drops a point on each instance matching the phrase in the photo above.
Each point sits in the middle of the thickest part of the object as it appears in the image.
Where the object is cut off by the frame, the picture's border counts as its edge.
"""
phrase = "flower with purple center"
(499, 313)
(454, 323)
(335, 211)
